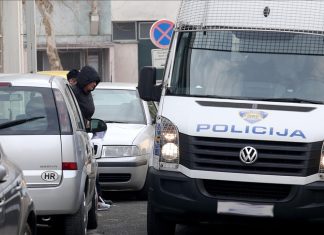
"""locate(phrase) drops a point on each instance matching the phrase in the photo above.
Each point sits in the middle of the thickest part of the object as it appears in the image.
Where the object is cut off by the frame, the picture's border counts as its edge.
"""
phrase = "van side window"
(75, 108)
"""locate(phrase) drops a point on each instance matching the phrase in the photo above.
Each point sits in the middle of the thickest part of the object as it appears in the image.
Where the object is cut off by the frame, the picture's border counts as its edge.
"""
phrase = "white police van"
(239, 128)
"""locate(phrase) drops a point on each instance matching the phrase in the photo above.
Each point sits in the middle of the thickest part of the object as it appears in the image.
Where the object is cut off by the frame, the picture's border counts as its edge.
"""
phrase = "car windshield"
(118, 106)
(271, 66)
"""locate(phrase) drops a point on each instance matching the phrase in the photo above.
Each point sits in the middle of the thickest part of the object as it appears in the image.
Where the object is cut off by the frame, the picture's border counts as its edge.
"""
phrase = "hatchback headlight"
(120, 151)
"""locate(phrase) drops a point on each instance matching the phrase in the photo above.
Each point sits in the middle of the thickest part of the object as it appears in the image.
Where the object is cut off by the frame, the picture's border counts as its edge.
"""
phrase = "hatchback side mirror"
(97, 125)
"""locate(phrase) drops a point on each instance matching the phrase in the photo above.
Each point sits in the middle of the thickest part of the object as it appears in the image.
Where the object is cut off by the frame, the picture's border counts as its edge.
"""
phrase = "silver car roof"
(33, 80)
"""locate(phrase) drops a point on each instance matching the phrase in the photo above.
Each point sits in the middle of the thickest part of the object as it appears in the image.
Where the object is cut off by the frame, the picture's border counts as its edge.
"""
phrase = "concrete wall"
(127, 54)
(71, 20)
(126, 63)
(144, 10)
(13, 53)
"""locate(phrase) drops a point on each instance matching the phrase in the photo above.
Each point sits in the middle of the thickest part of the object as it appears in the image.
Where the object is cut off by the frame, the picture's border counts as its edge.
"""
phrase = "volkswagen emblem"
(266, 11)
(248, 155)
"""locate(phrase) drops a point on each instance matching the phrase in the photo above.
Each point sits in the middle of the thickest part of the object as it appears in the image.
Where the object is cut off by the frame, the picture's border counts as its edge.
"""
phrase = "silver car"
(124, 151)
(17, 211)
(42, 131)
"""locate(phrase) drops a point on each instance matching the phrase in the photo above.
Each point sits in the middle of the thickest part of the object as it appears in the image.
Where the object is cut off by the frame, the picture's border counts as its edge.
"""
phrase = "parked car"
(123, 152)
(17, 211)
(59, 73)
(42, 131)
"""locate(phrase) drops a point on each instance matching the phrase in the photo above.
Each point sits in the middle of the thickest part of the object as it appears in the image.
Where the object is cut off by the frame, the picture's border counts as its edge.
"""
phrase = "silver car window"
(22, 103)
(77, 114)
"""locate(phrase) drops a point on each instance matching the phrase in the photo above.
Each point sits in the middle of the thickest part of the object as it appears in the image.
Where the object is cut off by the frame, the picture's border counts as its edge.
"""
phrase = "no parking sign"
(161, 33)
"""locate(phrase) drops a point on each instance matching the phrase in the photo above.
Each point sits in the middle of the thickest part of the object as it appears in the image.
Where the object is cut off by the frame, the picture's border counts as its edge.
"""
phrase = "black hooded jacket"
(85, 100)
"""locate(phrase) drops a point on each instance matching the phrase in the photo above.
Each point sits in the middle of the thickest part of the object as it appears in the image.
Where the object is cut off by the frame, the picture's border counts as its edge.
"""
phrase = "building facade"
(112, 36)
(82, 35)
(131, 24)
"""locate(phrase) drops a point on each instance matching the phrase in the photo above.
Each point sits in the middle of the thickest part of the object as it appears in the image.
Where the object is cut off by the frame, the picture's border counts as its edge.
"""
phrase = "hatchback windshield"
(118, 105)
(250, 65)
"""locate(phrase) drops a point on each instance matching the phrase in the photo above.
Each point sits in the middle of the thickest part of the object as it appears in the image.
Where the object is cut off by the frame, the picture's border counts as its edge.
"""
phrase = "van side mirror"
(97, 125)
(147, 88)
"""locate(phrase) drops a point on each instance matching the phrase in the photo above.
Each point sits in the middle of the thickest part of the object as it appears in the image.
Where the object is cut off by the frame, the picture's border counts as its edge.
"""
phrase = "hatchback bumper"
(127, 173)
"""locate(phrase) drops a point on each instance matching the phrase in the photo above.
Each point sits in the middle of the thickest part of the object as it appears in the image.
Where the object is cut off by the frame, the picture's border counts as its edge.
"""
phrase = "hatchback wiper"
(18, 122)
(294, 100)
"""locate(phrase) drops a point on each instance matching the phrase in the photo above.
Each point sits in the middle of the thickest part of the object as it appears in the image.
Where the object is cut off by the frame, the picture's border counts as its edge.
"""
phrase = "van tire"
(76, 224)
(156, 225)
(92, 214)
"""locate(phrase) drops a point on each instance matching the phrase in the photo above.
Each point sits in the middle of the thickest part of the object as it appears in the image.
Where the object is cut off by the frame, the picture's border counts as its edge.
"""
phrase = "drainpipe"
(94, 18)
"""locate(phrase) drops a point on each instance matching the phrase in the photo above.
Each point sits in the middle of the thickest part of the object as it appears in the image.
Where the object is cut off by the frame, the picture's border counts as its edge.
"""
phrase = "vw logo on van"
(248, 155)
(266, 11)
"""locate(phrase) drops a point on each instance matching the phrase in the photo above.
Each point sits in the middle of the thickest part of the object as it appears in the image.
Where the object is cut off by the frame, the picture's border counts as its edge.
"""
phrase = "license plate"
(242, 208)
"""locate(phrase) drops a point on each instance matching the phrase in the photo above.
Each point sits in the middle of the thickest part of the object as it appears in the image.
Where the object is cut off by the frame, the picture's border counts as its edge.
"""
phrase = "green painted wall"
(145, 57)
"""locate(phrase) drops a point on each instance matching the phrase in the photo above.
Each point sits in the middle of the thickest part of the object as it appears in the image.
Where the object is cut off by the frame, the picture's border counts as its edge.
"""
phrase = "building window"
(76, 59)
(144, 30)
(69, 60)
(124, 31)
(94, 58)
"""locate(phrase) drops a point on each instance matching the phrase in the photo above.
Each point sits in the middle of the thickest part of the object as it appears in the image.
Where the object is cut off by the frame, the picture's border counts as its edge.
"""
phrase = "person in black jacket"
(87, 80)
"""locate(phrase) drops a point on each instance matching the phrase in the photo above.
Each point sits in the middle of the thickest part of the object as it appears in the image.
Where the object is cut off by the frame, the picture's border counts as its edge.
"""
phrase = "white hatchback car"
(124, 150)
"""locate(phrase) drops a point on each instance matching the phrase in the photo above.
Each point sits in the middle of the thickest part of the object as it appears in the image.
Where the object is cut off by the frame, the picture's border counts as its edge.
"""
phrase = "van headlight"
(166, 145)
(119, 151)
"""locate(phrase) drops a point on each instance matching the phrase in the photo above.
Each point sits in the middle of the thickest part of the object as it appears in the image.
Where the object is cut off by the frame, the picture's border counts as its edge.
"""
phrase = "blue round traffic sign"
(161, 33)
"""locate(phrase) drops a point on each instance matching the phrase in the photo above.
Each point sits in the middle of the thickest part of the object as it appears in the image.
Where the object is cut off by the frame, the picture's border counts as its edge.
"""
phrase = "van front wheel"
(156, 225)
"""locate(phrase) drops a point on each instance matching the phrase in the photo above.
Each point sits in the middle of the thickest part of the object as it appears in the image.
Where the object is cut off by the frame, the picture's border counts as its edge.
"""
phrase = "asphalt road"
(127, 216)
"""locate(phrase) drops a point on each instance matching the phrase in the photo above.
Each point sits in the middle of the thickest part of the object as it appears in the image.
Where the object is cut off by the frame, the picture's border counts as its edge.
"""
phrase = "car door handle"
(2, 201)
(19, 186)
(2, 208)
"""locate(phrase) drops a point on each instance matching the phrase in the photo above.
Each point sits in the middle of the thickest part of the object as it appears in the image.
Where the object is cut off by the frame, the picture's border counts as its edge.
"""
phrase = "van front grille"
(274, 157)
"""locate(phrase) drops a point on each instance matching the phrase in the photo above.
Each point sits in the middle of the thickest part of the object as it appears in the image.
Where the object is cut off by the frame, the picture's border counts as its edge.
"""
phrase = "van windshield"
(272, 66)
